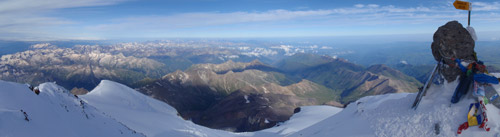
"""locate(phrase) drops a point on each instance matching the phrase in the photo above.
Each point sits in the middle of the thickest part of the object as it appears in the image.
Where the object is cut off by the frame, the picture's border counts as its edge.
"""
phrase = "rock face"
(452, 40)
(79, 91)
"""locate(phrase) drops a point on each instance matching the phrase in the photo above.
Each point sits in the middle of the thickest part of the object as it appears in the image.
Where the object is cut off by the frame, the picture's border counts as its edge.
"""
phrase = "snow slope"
(383, 115)
(53, 113)
(155, 118)
(125, 112)
(144, 114)
(391, 115)
(309, 115)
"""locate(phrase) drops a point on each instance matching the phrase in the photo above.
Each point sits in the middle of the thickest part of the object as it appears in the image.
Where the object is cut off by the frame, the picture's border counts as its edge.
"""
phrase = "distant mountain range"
(233, 86)
(223, 88)
(227, 100)
(349, 80)
(82, 66)
(251, 96)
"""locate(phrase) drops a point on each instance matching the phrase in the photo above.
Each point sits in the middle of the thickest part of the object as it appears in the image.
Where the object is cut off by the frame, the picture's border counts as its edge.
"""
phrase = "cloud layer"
(30, 19)
(357, 15)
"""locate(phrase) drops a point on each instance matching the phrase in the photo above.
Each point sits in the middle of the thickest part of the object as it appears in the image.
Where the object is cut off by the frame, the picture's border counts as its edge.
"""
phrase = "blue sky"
(121, 19)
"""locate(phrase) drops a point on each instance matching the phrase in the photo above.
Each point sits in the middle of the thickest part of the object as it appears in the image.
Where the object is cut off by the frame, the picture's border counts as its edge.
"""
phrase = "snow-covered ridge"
(143, 113)
(54, 112)
(121, 111)
(391, 115)
(155, 118)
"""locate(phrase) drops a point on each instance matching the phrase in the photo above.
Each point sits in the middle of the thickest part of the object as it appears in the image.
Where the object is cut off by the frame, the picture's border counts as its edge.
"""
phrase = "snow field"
(54, 112)
(122, 111)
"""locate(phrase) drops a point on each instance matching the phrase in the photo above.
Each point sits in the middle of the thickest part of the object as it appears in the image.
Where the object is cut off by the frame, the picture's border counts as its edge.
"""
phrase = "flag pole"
(468, 24)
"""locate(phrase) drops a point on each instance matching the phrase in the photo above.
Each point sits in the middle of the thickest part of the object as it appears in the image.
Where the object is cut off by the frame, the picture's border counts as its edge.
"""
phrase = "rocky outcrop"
(452, 40)
(79, 91)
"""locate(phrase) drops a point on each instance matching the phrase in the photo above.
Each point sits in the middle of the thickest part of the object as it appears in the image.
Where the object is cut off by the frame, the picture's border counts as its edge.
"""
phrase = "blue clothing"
(484, 78)
(462, 88)
(466, 80)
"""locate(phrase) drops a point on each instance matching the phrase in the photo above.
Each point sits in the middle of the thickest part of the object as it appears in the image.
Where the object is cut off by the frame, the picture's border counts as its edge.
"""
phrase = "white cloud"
(483, 6)
(189, 20)
(372, 5)
(209, 19)
(359, 5)
(21, 19)
(29, 18)
(18, 6)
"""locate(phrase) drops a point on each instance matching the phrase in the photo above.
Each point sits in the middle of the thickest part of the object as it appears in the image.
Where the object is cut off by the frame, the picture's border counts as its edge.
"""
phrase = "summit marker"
(463, 5)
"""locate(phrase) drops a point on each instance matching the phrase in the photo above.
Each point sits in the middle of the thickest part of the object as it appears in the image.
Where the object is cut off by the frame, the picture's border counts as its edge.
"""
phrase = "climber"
(25, 115)
(30, 87)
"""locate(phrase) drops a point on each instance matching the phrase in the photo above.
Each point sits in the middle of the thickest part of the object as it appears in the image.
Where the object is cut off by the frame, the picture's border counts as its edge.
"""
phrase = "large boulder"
(452, 40)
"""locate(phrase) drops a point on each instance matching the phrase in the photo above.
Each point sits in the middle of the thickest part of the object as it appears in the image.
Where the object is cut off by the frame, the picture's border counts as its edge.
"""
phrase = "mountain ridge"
(346, 78)
(203, 83)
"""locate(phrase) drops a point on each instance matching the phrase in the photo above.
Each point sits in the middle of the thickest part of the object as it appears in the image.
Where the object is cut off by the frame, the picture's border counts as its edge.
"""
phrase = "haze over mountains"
(237, 73)
(81, 66)
(203, 81)
(206, 93)
(173, 54)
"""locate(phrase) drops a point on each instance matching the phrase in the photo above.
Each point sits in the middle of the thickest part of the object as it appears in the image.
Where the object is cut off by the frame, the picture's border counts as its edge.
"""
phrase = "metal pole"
(468, 24)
